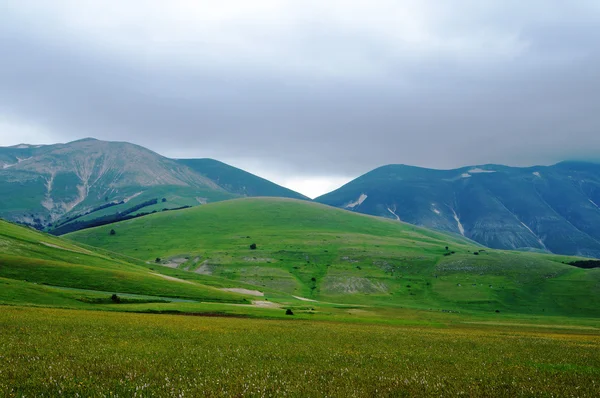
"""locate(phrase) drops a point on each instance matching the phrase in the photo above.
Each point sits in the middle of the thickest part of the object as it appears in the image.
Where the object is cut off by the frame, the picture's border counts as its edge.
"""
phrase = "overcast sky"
(308, 93)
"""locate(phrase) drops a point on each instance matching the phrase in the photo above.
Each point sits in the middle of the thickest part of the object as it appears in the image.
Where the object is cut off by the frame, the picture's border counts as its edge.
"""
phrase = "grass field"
(102, 353)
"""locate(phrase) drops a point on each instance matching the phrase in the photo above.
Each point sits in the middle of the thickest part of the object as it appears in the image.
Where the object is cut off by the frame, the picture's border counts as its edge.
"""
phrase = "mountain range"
(543, 208)
(66, 187)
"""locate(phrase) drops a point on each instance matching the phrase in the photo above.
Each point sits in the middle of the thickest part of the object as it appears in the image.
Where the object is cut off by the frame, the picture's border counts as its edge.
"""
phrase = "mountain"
(89, 182)
(541, 208)
(238, 181)
(321, 253)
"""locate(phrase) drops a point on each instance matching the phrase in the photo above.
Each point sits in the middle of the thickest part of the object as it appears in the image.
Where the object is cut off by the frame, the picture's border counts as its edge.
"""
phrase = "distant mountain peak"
(87, 139)
(548, 208)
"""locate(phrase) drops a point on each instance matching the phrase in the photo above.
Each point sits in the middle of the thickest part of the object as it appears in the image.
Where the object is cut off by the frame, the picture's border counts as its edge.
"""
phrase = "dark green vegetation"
(538, 208)
(330, 255)
(586, 263)
(158, 355)
(66, 187)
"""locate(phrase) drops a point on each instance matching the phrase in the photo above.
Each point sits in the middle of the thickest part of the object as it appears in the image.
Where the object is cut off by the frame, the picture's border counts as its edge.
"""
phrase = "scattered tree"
(164, 200)
(253, 246)
(157, 260)
(289, 312)
(115, 299)
(112, 232)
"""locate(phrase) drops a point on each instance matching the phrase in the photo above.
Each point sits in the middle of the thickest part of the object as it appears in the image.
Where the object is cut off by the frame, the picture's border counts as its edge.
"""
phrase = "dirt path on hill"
(171, 278)
(83, 251)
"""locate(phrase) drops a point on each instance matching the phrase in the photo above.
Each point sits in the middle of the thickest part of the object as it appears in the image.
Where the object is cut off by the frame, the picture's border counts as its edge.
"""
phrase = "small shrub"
(157, 260)
(115, 299)
(113, 232)
(476, 253)
(253, 246)
(289, 312)
(163, 200)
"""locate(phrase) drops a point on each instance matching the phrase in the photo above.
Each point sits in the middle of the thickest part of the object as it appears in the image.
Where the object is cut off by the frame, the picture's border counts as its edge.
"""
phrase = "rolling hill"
(40, 269)
(320, 253)
(543, 208)
(66, 187)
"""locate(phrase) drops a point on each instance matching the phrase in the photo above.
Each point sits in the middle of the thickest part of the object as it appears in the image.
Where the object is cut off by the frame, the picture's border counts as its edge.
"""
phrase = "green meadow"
(180, 304)
(54, 352)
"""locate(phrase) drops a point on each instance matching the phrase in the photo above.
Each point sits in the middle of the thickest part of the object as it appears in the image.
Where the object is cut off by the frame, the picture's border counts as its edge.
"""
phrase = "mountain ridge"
(50, 183)
(549, 208)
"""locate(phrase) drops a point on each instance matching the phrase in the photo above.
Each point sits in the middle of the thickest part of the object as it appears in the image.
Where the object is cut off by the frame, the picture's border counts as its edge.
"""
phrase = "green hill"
(37, 268)
(330, 255)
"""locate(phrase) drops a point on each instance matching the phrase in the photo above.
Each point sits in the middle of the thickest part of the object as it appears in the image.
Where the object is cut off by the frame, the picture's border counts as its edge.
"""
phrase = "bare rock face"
(553, 208)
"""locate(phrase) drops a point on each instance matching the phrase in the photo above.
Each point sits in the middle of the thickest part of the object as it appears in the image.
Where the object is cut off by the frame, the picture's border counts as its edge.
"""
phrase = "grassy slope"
(29, 260)
(329, 254)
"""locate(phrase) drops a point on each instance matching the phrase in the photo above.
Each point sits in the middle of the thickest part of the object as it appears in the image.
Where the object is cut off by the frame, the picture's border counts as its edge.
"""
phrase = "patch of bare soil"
(304, 299)
(243, 291)
(265, 304)
(174, 262)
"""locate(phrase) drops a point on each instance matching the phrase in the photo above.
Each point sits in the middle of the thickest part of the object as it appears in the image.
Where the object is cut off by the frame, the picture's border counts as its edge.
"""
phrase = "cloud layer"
(308, 89)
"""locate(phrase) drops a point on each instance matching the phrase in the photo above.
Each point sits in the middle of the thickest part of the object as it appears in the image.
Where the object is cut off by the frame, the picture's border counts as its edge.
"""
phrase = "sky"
(309, 94)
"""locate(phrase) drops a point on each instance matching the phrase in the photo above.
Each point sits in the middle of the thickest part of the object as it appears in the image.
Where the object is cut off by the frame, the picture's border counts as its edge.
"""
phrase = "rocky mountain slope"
(85, 180)
(545, 208)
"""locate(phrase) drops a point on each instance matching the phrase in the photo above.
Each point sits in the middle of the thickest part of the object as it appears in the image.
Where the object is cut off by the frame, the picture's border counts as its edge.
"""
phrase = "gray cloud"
(310, 92)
